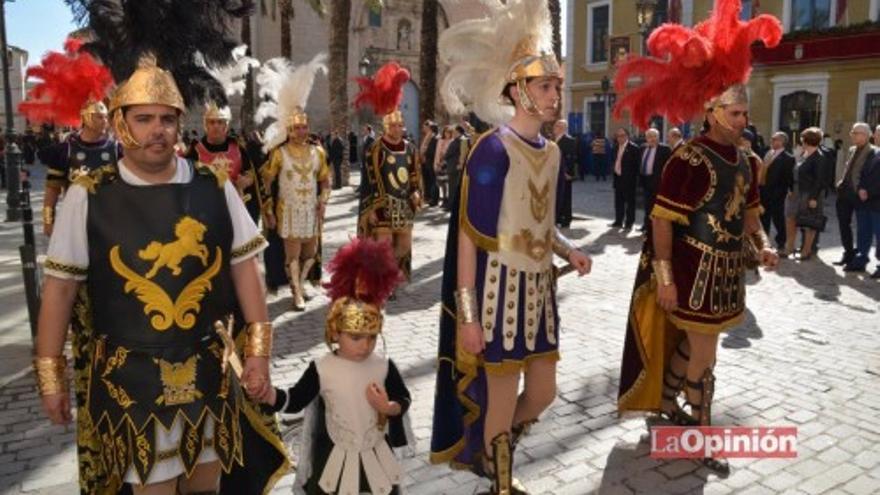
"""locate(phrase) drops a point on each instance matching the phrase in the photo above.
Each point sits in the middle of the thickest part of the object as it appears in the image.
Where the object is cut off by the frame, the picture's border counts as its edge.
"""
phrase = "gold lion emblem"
(183, 310)
(190, 234)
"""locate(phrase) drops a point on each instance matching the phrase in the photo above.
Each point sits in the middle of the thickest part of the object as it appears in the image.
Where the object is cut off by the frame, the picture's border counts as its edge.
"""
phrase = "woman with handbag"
(803, 207)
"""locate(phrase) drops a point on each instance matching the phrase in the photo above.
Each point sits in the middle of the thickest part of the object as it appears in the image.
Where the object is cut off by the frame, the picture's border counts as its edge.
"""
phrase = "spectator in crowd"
(626, 175)
(440, 165)
(776, 181)
(600, 156)
(352, 148)
(568, 168)
(654, 156)
(427, 152)
(860, 153)
(456, 154)
(869, 214)
(336, 153)
(808, 193)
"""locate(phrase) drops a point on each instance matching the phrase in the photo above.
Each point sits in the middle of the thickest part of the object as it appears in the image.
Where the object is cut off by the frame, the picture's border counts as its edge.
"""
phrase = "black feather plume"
(180, 33)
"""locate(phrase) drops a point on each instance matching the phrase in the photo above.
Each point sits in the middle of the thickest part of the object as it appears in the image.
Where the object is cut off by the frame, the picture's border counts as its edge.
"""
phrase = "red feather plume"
(691, 66)
(365, 270)
(384, 92)
(68, 81)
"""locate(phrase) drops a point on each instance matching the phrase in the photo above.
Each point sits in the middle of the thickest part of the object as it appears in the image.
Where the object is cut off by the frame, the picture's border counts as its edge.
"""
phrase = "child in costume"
(356, 399)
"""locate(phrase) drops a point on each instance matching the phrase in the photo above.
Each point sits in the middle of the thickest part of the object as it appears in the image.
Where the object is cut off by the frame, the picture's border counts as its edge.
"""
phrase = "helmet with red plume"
(694, 70)
(384, 92)
(364, 274)
(72, 86)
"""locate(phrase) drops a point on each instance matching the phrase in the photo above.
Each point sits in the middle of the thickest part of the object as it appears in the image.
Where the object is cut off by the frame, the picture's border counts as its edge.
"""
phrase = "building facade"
(18, 60)
(376, 37)
(824, 73)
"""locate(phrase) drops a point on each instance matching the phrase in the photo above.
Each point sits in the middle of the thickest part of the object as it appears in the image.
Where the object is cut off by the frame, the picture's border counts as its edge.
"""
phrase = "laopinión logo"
(684, 442)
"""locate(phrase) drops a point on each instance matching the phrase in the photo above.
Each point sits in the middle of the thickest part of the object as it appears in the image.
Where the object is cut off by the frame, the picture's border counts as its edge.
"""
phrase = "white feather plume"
(479, 55)
(233, 76)
(283, 89)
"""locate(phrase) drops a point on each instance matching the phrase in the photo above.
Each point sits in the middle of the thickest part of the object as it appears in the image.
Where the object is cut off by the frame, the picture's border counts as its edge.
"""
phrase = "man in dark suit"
(625, 158)
(653, 157)
(869, 215)
(568, 166)
(336, 154)
(427, 150)
(860, 154)
(776, 180)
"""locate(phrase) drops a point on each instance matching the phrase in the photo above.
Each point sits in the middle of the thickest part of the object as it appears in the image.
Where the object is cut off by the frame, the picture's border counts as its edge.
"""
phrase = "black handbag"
(811, 218)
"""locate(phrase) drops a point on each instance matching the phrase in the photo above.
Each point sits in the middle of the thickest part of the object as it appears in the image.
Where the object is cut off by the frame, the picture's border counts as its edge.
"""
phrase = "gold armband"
(663, 272)
(259, 340)
(50, 373)
(562, 246)
(466, 302)
(48, 215)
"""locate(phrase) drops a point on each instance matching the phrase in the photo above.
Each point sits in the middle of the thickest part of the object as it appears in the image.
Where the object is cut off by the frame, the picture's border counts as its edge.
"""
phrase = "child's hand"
(378, 398)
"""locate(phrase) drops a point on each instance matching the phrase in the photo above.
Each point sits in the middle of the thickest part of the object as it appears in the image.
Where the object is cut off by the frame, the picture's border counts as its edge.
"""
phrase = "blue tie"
(645, 161)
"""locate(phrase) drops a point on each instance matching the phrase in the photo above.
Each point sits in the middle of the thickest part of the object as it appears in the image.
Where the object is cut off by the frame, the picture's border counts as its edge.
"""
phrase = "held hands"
(243, 182)
(471, 337)
(580, 261)
(57, 408)
(256, 380)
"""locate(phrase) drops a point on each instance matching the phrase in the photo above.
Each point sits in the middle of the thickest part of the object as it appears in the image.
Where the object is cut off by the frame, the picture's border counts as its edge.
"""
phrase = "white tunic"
(352, 425)
(300, 171)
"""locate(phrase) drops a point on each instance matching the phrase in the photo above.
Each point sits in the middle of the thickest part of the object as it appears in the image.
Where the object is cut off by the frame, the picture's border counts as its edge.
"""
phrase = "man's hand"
(471, 338)
(57, 408)
(667, 297)
(812, 203)
(243, 182)
(320, 208)
(373, 218)
(256, 377)
(580, 261)
(769, 259)
(270, 220)
(47, 229)
(416, 199)
(863, 194)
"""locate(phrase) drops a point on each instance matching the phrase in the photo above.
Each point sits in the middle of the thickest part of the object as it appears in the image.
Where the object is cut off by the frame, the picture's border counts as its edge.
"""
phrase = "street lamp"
(364, 65)
(606, 95)
(18, 197)
(645, 14)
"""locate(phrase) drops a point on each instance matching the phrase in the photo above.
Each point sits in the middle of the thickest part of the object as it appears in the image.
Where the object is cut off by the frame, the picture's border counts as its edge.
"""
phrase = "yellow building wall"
(843, 82)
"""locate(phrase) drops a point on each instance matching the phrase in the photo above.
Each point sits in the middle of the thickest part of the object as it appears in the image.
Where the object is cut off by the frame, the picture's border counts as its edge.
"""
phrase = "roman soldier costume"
(154, 393)
(346, 445)
(506, 208)
(706, 190)
(393, 174)
(72, 89)
(229, 158)
(296, 176)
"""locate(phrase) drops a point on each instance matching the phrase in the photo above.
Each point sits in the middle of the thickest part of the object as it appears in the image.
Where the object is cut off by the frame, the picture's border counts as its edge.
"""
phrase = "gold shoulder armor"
(219, 174)
(90, 179)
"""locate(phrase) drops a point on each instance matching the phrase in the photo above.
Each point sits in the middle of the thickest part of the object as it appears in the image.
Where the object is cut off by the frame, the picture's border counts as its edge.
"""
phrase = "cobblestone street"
(807, 356)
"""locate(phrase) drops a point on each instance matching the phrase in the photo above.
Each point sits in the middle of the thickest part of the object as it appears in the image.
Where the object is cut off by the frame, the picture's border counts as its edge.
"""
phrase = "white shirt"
(618, 164)
(69, 244)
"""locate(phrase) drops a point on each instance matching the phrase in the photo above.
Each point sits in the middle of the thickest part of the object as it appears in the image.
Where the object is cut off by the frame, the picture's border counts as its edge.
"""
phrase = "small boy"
(359, 397)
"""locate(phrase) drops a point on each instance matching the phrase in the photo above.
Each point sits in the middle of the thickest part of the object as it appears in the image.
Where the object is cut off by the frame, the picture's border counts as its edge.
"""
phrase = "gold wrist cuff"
(259, 340)
(48, 215)
(562, 246)
(50, 372)
(663, 272)
(466, 302)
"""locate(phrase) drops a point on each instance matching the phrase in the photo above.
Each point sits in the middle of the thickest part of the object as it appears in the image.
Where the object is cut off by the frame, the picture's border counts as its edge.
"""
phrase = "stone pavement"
(808, 356)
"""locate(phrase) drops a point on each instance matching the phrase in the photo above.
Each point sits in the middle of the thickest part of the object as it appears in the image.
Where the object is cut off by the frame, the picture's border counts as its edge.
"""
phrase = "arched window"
(404, 35)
